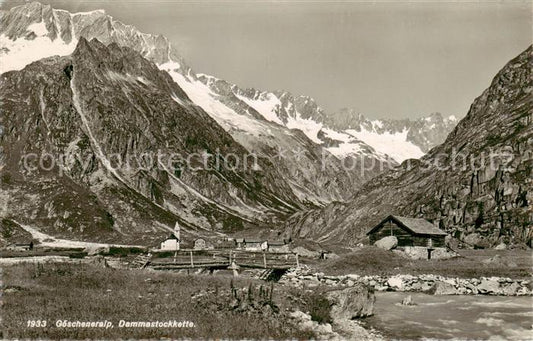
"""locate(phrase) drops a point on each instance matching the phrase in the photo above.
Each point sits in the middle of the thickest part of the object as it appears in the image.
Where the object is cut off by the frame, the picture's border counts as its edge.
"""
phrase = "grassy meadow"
(516, 264)
(219, 306)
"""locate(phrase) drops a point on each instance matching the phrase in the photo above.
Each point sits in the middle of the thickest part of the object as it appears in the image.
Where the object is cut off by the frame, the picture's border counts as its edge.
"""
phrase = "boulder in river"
(511, 290)
(353, 302)
(443, 288)
(396, 282)
(488, 286)
(408, 300)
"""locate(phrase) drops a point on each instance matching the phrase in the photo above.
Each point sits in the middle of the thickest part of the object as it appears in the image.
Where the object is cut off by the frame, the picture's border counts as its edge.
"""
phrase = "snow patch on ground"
(451, 118)
(201, 95)
(309, 127)
(170, 66)
(119, 77)
(377, 124)
(16, 54)
(395, 145)
(38, 28)
(266, 107)
(96, 11)
(49, 241)
(348, 145)
(345, 149)
(179, 100)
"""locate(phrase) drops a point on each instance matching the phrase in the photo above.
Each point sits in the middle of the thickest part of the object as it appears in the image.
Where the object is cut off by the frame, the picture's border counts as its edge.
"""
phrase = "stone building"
(172, 243)
(200, 244)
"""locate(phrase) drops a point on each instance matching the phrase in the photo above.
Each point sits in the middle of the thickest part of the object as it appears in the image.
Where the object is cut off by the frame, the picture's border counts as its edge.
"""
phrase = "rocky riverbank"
(433, 284)
(337, 330)
(344, 306)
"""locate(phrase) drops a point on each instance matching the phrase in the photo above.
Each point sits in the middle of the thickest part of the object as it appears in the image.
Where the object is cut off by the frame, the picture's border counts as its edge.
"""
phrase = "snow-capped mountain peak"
(348, 133)
(34, 31)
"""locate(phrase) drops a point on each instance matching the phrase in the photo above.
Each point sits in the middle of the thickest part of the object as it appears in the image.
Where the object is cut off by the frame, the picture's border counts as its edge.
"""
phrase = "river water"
(453, 317)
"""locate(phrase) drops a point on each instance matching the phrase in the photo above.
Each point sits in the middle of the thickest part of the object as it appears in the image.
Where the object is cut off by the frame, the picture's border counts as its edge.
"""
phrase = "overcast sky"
(385, 59)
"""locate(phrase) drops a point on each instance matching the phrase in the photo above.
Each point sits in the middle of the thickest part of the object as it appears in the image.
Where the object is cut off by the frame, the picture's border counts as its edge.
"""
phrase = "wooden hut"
(409, 232)
(28, 246)
(255, 244)
(278, 246)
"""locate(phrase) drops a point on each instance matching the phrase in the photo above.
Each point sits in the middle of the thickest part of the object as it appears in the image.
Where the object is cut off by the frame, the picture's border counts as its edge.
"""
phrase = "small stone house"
(226, 244)
(278, 246)
(254, 244)
(200, 244)
(415, 236)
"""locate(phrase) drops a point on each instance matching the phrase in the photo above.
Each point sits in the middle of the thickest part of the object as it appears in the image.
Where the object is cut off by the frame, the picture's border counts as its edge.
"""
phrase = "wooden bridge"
(274, 262)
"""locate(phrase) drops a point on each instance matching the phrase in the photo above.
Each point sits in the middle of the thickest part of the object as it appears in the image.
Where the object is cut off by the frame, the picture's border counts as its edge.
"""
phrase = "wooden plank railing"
(222, 258)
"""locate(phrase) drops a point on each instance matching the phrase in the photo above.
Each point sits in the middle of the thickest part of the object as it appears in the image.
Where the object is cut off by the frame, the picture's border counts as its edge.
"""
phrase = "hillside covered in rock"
(102, 144)
(33, 31)
(477, 185)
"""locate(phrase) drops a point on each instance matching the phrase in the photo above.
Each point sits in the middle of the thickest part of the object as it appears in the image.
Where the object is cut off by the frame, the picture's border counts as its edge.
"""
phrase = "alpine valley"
(88, 88)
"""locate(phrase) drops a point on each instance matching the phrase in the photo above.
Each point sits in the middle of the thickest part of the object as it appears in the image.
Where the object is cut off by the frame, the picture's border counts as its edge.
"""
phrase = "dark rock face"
(105, 101)
(478, 181)
(11, 232)
(314, 174)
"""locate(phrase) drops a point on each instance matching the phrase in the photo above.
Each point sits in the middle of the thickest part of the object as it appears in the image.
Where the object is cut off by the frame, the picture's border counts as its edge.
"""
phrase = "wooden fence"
(187, 259)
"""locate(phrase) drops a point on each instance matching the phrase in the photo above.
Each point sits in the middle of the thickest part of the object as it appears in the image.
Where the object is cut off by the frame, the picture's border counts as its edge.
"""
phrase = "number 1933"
(36, 323)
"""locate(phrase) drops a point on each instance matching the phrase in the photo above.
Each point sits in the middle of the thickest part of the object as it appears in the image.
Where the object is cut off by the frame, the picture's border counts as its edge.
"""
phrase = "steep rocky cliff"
(477, 185)
(129, 149)
(34, 31)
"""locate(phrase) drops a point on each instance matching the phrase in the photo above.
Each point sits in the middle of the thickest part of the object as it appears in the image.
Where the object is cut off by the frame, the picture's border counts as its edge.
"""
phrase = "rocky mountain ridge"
(348, 132)
(143, 97)
(477, 185)
(34, 31)
(315, 175)
(101, 106)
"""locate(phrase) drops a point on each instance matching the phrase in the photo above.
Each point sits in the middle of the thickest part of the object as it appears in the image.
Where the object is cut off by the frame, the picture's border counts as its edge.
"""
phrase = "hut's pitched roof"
(226, 244)
(415, 225)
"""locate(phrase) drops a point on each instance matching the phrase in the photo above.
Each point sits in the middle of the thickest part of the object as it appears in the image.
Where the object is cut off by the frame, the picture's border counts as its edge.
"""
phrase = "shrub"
(319, 307)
